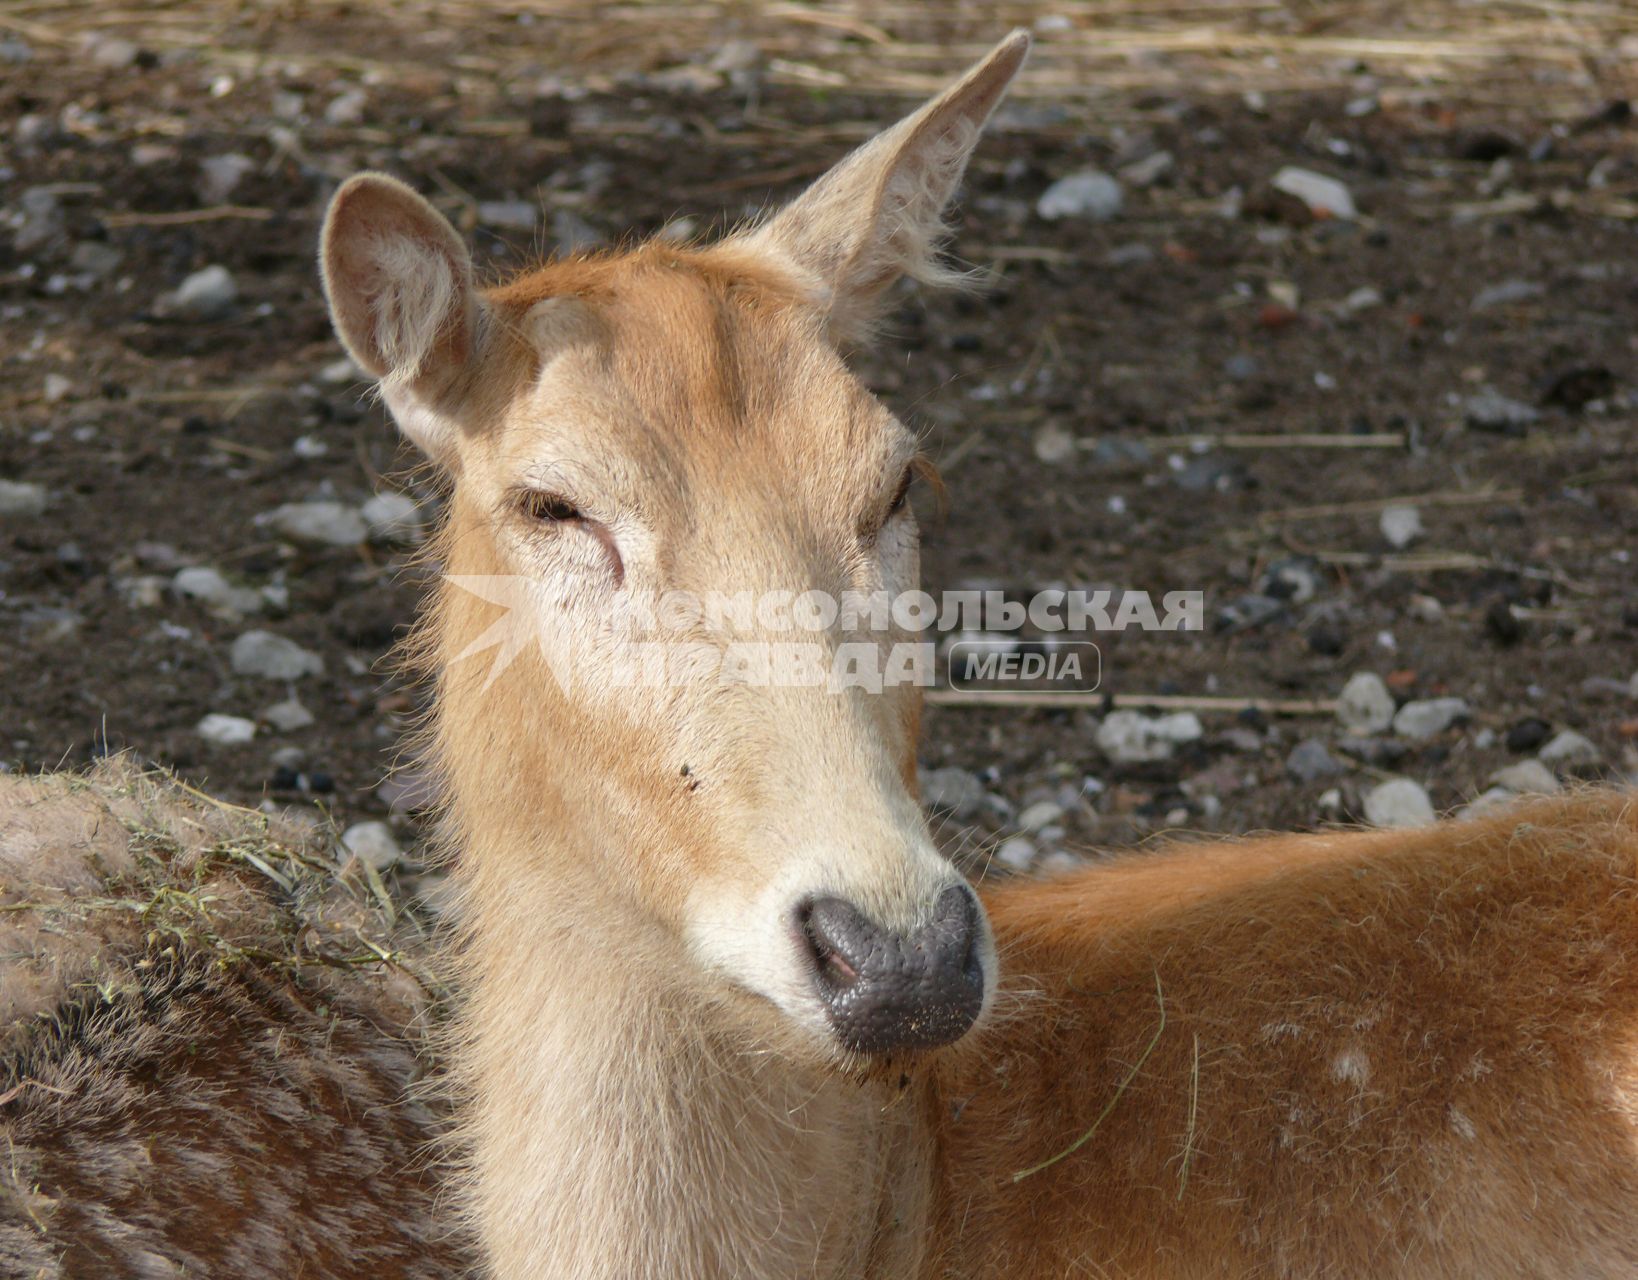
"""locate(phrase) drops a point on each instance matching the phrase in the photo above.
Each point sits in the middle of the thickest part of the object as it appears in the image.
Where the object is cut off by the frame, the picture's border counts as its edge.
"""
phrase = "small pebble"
(1398, 802)
(374, 843)
(1365, 706)
(1309, 761)
(1527, 777)
(322, 524)
(1016, 853)
(1428, 717)
(1401, 526)
(18, 498)
(205, 295)
(271, 657)
(1091, 195)
(288, 716)
(1568, 749)
(226, 730)
(1323, 195)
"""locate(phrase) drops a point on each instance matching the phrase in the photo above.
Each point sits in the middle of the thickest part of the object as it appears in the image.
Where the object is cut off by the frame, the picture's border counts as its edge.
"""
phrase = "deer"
(728, 1012)
(721, 1007)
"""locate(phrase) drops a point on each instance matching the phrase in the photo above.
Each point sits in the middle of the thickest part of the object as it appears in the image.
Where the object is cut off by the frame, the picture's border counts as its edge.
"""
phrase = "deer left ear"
(879, 214)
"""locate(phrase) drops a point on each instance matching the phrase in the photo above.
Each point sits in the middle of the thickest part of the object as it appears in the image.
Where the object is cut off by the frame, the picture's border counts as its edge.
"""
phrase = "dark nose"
(886, 991)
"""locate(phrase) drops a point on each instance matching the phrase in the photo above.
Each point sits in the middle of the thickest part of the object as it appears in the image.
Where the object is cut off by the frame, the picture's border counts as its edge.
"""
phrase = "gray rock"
(1567, 749)
(393, 517)
(226, 730)
(346, 108)
(1322, 194)
(1401, 526)
(1149, 170)
(41, 223)
(1130, 737)
(406, 790)
(1310, 761)
(96, 259)
(1091, 195)
(1398, 802)
(220, 175)
(19, 498)
(1135, 254)
(1491, 802)
(207, 585)
(509, 215)
(1242, 368)
(320, 524)
(953, 791)
(1040, 815)
(112, 52)
(1365, 706)
(1428, 717)
(270, 657)
(1053, 444)
(1017, 853)
(288, 716)
(1505, 293)
(1527, 777)
(1492, 411)
(374, 843)
(205, 295)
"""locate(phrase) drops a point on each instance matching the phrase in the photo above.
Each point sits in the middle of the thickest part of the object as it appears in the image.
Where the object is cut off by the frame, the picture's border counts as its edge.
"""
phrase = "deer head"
(677, 423)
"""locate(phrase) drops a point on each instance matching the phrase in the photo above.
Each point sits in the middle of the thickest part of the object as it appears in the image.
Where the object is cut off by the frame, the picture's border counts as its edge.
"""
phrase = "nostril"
(824, 926)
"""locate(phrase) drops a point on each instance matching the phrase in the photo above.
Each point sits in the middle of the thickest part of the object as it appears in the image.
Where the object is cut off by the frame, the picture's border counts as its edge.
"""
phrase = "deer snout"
(884, 991)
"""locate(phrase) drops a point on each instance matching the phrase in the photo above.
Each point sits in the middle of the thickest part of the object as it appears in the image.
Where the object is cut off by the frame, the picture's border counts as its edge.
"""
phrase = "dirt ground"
(1212, 390)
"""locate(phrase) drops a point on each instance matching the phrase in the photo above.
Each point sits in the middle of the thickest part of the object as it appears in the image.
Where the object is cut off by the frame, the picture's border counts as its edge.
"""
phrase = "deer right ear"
(399, 283)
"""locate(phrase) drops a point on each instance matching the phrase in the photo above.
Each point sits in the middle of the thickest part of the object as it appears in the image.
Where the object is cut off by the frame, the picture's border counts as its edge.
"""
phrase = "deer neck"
(617, 1126)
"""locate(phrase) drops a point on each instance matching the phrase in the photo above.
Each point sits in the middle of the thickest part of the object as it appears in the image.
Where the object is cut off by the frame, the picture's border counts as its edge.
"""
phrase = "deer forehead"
(666, 379)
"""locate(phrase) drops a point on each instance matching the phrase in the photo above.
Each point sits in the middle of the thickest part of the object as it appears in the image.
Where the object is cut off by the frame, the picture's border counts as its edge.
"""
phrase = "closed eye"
(552, 508)
(901, 495)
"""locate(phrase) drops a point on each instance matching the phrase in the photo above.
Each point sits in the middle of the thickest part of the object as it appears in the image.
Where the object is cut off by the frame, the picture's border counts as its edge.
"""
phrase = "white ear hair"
(880, 213)
(399, 283)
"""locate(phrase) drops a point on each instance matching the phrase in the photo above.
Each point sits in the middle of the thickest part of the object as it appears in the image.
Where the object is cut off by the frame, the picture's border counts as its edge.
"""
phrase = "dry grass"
(1554, 54)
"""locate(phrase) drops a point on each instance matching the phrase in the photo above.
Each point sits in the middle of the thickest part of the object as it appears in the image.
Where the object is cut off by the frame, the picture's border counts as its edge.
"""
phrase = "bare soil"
(1209, 307)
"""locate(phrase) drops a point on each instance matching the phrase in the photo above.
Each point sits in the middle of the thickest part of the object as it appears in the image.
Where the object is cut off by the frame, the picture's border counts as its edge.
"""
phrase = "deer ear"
(399, 283)
(879, 214)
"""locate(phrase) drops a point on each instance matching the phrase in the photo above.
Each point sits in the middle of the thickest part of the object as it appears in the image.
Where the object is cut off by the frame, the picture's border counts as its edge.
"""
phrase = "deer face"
(668, 489)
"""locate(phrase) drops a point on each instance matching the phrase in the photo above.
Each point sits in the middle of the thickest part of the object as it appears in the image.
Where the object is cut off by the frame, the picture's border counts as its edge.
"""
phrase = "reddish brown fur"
(1405, 1053)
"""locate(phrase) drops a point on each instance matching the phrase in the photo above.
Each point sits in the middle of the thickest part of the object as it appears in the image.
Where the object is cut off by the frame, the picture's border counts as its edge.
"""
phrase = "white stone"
(1053, 444)
(1365, 706)
(1568, 749)
(288, 716)
(207, 585)
(1091, 195)
(393, 517)
(323, 524)
(1130, 737)
(374, 843)
(1527, 777)
(1017, 853)
(19, 498)
(1492, 802)
(205, 295)
(270, 657)
(1401, 526)
(220, 175)
(1040, 814)
(1428, 717)
(226, 730)
(1319, 192)
(951, 790)
(1398, 802)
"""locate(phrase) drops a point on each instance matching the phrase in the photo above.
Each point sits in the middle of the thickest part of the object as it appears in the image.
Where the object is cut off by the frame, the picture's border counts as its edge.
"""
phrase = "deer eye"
(550, 508)
(902, 494)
